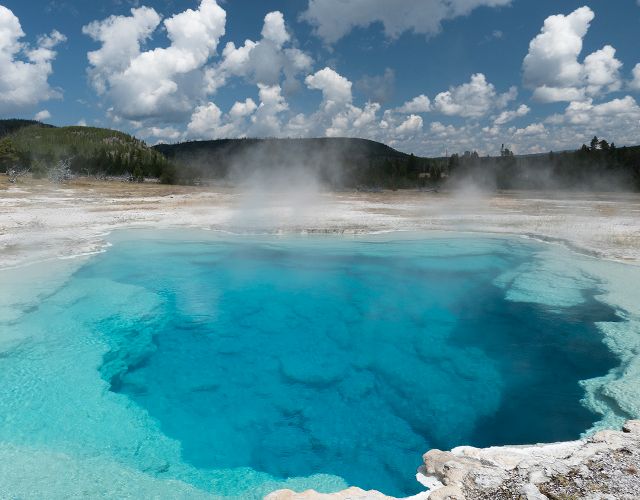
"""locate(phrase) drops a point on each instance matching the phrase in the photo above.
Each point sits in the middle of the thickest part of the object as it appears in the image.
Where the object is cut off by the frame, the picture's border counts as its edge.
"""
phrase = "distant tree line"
(356, 163)
(336, 162)
(600, 166)
(399, 173)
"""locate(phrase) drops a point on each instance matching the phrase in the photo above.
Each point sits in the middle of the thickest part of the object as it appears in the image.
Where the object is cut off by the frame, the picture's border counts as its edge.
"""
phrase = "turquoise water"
(277, 358)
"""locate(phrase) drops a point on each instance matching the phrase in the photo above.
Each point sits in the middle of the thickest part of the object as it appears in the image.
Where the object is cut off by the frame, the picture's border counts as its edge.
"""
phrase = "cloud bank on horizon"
(161, 78)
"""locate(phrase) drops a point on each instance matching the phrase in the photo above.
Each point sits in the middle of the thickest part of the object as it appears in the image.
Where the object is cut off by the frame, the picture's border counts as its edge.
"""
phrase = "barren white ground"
(40, 221)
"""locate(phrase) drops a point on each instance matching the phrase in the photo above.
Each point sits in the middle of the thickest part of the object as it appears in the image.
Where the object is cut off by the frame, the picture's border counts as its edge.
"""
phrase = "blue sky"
(425, 76)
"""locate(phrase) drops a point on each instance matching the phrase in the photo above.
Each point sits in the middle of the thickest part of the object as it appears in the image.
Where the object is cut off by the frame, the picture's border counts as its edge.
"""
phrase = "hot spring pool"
(240, 365)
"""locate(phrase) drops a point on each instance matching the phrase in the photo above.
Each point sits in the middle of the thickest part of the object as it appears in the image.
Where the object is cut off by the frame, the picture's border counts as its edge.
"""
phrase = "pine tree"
(9, 155)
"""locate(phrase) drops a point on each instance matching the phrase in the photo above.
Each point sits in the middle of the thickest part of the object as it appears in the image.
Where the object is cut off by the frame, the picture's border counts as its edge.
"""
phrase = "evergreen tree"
(169, 174)
(138, 174)
(454, 162)
(412, 163)
(9, 155)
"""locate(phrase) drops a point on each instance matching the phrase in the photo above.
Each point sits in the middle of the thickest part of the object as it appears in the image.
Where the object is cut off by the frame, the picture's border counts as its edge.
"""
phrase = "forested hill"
(9, 126)
(86, 150)
(233, 147)
(338, 162)
(350, 163)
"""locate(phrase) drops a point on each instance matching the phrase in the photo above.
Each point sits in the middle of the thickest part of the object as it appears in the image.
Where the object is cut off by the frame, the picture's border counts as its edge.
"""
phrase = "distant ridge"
(336, 161)
(231, 147)
(13, 125)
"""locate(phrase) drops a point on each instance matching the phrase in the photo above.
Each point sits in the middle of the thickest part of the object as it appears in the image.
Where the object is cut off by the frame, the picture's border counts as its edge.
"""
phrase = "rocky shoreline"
(605, 466)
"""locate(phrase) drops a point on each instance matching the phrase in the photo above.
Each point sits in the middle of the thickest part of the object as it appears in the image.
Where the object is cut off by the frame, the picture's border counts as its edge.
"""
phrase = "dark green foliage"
(89, 151)
(169, 174)
(454, 162)
(604, 167)
(138, 173)
(9, 155)
(10, 126)
(600, 166)
(336, 162)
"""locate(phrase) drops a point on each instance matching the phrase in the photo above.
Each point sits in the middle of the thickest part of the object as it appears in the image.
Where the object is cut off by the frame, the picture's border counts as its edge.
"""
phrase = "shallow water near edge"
(261, 359)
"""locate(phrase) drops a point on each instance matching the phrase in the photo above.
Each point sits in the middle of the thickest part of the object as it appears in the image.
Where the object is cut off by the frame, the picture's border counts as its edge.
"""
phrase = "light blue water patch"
(232, 364)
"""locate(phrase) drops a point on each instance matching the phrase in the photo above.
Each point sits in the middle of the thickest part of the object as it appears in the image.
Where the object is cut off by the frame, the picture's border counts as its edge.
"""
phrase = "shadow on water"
(543, 353)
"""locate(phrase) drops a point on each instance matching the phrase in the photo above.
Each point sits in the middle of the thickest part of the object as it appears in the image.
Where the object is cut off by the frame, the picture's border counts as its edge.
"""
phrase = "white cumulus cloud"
(354, 122)
(533, 129)
(264, 61)
(472, 100)
(209, 122)
(420, 104)
(266, 120)
(205, 122)
(162, 83)
(333, 19)
(507, 116)
(42, 115)
(635, 83)
(552, 68)
(24, 70)
(242, 109)
(274, 28)
(618, 111)
(602, 71)
(121, 37)
(411, 125)
(336, 89)
(161, 133)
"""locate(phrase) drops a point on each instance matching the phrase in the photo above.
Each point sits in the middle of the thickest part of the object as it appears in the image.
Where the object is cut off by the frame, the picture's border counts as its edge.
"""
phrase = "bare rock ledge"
(605, 466)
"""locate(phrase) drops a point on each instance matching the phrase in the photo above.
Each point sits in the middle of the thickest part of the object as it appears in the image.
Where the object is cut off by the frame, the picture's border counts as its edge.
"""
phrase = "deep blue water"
(349, 357)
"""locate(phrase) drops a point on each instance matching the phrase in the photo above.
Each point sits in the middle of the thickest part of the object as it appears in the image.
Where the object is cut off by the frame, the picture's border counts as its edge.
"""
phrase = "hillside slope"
(338, 162)
(235, 147)
(91, 151)
(10, 126)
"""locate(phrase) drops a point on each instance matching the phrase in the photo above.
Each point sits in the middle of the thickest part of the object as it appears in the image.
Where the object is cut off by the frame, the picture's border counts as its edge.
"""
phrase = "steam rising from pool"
(236, 366)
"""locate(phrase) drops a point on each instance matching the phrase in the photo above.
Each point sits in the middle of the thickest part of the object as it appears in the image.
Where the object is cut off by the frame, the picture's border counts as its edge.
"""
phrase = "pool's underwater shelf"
(187, 365)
